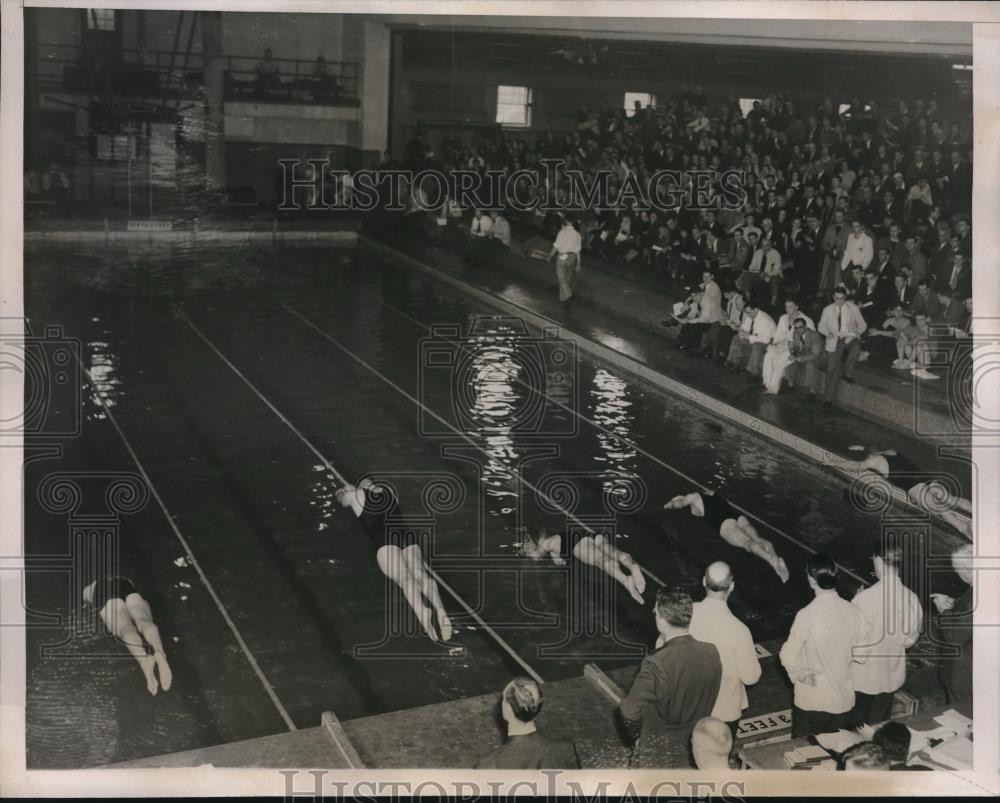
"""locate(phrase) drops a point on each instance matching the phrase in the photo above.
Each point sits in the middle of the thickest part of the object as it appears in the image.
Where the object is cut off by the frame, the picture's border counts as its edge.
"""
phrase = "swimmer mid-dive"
(127, 614)
(592, 550)
(922, 488)
(399, 557)
(734, 527)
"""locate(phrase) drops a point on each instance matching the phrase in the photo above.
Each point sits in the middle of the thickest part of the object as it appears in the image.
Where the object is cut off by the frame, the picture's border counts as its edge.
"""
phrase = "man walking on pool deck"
(566, 249)
(676, 686)
(818, 653)
(842, 325)
(734, 528)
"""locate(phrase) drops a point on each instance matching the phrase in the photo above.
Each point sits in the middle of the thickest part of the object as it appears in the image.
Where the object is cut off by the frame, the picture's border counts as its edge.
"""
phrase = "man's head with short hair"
(961, 562)
(791, 306)
(718, 579)
(864, 756)
(894, 739)
(821, 570)
(711, 744)
(673, 609)
(944, 294)
(521, 700)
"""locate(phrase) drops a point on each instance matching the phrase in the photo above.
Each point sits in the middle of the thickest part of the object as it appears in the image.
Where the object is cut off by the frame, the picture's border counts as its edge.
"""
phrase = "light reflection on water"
(612, 411)
(493, 373)
(106, 385)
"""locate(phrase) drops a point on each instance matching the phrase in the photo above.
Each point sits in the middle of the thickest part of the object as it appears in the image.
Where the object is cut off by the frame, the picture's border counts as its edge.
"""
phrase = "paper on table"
(955, 753)
(811, 752)
(920, 739)
(953, 720)
(839, 741)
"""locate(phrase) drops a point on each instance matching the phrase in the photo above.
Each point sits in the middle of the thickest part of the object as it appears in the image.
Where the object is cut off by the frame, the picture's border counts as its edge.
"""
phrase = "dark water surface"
(342, 346)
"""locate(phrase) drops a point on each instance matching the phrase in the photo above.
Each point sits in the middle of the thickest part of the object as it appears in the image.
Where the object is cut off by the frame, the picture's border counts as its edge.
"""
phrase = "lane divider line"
(343, 480)
(555, 505)
(188, 552)
(660, 382)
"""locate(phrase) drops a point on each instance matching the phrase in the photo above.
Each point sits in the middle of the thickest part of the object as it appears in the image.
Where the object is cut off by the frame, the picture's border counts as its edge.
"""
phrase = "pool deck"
(458, 733)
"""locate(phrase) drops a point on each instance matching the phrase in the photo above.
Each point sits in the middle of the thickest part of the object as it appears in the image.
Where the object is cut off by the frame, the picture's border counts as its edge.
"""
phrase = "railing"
(291, 80)
(165, 73)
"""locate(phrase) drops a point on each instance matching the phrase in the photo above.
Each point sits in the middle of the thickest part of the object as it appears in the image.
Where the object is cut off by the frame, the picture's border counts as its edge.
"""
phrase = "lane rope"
(343, 480)
(189, 554)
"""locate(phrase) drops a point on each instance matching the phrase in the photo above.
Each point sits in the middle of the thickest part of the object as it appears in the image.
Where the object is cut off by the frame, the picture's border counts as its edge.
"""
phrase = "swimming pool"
(231, 375)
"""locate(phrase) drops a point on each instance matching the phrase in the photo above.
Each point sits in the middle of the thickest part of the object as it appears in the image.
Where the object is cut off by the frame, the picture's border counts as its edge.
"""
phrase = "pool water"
(482, 424)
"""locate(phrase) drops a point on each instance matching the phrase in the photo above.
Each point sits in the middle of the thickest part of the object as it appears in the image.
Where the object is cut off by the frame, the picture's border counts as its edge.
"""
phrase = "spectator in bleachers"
(806, 351)
(711, 744)
(958, 276)
(833, 246)
(777, 358)
(56, 187)
(872, 298)
(818, 653)
(842, 325)
(884, 338)
(501, 229)
(526, 748)
(746, 352)
(894, 616)
(952, 311)
(916, 260)
(859, 251)
(268, 74)
(924, 301)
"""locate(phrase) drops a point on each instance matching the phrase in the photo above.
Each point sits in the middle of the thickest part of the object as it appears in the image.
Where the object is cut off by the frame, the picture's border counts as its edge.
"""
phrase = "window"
(645, 99)
(100, 19)
(746, 105)
(514, 106)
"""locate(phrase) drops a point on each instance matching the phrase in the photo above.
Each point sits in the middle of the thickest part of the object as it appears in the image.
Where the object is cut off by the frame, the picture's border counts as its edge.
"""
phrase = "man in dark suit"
(939, 263)
(884, 268)
(959, 189)
(952, 312)
(676, 686)
(958, 277)
(526, 748)
(901, 292)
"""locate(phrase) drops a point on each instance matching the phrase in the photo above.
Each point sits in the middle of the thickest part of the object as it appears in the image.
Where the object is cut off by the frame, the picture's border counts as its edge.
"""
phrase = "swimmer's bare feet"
(782, 570)
(630, 587)
(166, 676)
(445, 623)
(557, 559)
(638, 578)
(147, 663)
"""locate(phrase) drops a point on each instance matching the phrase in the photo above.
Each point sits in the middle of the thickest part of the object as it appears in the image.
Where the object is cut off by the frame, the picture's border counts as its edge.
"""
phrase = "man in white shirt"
(842, 325)
(501, 229)
(818, 653)
(712, 621)
(894, 618)
(746, 352)
(479, 231)
(777, 357)
(765, 263)
(566, 249)
(859, 249)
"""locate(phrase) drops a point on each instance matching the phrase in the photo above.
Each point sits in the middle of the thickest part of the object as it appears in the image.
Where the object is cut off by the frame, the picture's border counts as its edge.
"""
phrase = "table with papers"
(940, 739)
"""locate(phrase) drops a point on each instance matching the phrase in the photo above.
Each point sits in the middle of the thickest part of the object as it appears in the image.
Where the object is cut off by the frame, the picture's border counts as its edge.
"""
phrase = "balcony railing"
(164, 73)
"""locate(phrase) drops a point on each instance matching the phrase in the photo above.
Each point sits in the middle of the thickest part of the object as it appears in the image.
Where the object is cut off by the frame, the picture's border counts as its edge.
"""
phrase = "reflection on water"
(322, 493)
(492, 374)
(612, 411)
(106, 384)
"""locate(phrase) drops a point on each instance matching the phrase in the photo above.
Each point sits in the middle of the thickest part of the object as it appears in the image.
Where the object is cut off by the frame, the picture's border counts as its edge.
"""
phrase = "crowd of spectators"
(869, 202)
(845, 658)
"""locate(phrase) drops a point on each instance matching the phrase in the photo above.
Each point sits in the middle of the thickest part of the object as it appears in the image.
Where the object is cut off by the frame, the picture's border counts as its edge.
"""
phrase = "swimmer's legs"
(141, 614)
(741, 533)
(119, 622)
(428, 587)
(589, 551)
(954, 510)
(395, 567)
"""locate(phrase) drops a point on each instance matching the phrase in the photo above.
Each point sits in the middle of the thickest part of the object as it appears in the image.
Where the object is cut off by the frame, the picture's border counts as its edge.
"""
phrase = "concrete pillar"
(214, 71)
(375, 101)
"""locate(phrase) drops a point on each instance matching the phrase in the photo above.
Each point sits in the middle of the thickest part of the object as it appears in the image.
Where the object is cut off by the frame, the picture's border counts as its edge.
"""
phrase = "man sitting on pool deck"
(399, 557)
(922, 488)
(126, 614)
(734, 528)
(594, 551)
